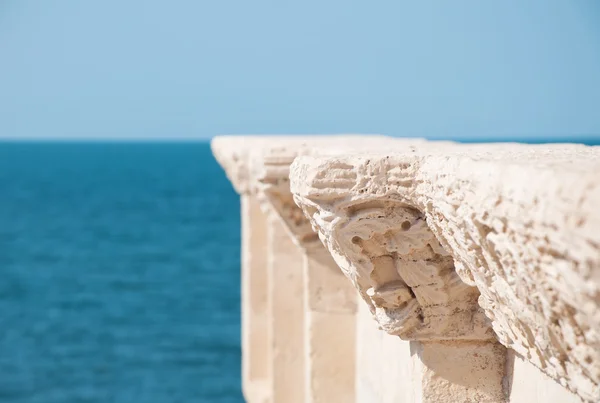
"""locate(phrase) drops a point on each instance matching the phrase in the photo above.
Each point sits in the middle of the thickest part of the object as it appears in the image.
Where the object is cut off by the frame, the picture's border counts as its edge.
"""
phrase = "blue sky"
(196, 68)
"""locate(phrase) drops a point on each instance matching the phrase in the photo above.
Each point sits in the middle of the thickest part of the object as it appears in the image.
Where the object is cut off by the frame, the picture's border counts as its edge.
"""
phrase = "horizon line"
(469, 138)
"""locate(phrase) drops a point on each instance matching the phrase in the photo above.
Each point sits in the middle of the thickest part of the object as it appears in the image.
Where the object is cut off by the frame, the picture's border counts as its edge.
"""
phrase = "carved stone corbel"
(386, 248)
(272, 173)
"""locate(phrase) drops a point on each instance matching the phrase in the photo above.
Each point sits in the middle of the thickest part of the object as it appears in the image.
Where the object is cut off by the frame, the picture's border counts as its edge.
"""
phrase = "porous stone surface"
(455, 243)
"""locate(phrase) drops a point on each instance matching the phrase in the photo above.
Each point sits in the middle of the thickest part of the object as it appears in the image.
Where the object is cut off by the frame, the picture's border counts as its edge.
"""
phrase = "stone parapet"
(455, 248)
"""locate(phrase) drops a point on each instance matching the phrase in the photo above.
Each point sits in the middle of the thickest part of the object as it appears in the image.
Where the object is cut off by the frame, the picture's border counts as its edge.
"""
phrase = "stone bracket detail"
(401, 270)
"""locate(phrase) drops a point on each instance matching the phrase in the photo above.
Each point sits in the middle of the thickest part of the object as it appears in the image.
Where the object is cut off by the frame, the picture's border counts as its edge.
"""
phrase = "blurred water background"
(120, 274)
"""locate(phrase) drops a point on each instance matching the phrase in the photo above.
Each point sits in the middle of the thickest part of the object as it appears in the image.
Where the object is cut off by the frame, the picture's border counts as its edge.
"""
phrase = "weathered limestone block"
(422, 233)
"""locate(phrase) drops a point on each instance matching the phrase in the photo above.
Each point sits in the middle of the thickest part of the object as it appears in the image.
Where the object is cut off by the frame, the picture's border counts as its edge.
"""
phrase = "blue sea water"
(119, 274)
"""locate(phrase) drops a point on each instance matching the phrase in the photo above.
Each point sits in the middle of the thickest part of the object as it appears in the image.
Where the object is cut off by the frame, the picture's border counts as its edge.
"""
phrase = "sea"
(120, 274)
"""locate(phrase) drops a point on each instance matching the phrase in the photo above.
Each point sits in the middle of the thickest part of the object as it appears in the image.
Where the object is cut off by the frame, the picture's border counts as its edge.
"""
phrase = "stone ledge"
(259, 165)
(520, 224)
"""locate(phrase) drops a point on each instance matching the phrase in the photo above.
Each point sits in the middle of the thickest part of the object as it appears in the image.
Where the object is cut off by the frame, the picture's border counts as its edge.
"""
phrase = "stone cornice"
(518, 224)
(259, 165)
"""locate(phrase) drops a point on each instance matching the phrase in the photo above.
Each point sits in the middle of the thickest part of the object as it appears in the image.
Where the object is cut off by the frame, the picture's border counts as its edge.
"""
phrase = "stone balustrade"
(477, 268)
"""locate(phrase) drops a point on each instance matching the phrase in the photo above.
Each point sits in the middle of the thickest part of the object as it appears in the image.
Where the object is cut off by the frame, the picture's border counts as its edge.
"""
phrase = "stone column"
(387, 369)
(287, 314)
(256, 363)
(465, 251)
(330, 330)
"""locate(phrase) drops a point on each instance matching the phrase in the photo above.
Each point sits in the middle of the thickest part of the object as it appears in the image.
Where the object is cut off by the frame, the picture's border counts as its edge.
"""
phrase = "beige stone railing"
(479, 263)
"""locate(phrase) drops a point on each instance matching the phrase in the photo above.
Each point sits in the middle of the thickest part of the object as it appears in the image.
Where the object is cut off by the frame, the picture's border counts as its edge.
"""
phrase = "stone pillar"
(387, 368)
(286, 283)
(330, 329)
(465, 251)
(256, 363)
